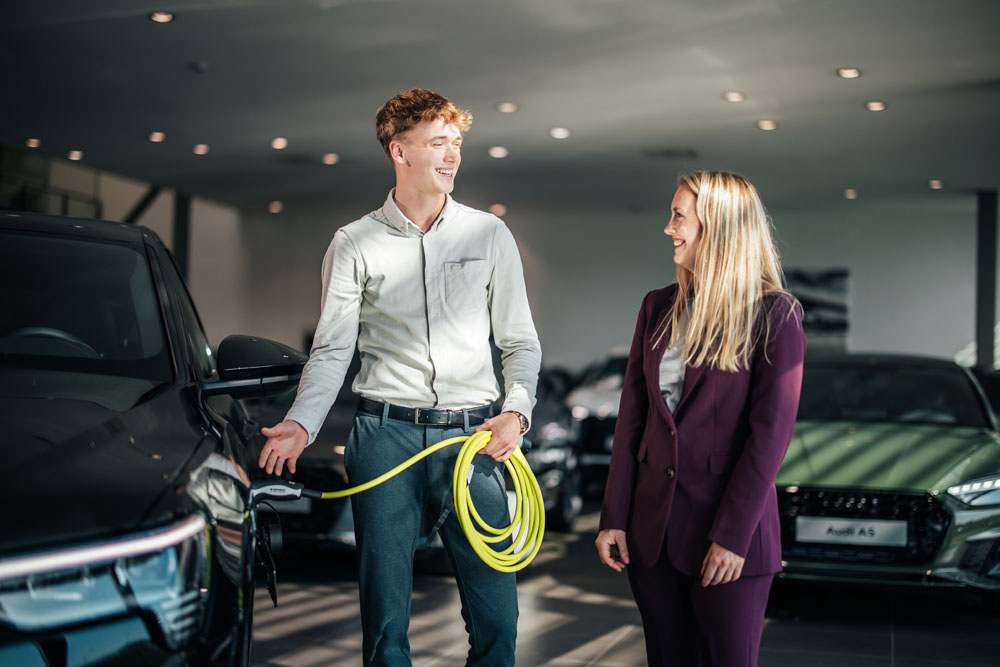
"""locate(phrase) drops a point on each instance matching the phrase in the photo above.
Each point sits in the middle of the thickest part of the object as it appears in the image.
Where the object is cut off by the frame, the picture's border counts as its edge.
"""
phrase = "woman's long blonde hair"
(736, 264)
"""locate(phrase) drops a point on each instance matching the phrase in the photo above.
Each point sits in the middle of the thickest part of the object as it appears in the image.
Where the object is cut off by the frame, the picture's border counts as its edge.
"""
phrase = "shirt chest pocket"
(465, 285)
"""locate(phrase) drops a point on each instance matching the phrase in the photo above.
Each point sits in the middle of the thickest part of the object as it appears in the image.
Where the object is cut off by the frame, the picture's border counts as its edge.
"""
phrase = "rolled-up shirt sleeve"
(513, 329)
(335, 337)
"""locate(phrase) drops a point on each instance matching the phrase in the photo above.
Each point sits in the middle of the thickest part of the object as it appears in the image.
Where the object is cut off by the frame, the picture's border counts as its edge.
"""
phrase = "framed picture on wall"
(824, 296)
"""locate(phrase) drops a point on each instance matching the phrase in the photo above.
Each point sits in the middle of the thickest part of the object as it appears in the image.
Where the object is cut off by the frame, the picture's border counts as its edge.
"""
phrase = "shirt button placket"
(432, 291)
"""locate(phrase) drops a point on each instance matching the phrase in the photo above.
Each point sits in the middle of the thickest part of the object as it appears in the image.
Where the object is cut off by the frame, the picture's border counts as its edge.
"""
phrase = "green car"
(892, 475)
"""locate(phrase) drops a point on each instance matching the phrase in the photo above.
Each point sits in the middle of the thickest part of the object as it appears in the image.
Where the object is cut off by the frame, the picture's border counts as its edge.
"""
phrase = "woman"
(707, 409)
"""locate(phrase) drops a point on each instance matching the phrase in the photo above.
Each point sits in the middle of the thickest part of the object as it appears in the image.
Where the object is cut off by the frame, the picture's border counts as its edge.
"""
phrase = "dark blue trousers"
(387, 522)
(686, 625)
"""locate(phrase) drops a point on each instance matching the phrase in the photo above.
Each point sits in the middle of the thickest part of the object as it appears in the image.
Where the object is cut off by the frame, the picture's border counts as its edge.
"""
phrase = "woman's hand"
(608, 538)
(720, 566)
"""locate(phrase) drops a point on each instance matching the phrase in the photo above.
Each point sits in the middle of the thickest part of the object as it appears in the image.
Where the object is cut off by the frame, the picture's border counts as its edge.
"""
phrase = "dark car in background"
(555, 452)
(594, 404)
(892, 475)
(129, 535)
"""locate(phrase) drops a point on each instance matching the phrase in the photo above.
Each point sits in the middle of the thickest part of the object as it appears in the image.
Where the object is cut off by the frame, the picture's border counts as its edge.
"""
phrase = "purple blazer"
(706, 472)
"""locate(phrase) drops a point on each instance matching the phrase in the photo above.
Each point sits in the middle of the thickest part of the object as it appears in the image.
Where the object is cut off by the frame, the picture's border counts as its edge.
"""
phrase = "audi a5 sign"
(832, 530)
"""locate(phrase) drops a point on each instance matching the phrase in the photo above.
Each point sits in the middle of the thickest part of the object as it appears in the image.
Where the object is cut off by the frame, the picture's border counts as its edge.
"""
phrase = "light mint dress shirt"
(672, 368)
(420, 307)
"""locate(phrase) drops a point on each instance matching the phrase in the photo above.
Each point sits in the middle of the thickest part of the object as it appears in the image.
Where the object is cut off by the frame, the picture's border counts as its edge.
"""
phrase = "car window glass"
(890, 393)
(81, 305)
(194, 335)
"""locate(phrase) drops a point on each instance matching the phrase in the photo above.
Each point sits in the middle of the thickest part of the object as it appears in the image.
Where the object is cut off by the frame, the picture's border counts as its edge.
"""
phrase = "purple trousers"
(686, 625)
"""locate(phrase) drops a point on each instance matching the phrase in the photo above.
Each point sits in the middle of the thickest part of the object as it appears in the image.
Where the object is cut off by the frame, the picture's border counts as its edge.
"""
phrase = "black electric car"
(128, 534)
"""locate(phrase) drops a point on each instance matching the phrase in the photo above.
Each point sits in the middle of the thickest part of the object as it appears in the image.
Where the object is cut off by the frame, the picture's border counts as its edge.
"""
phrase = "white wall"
(912, 268)
(283, 279)
(911, 264)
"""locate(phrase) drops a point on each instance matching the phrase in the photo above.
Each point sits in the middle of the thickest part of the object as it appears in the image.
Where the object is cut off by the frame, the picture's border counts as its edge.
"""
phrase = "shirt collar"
(399, 221)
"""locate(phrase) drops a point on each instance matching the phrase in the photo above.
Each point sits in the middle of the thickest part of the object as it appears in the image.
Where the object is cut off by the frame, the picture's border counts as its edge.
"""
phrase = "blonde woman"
(707, 409)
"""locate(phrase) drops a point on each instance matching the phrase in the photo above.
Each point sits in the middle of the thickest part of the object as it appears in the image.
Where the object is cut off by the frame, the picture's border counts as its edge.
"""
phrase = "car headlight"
(162, 571)
(978, 492)
(580, 412)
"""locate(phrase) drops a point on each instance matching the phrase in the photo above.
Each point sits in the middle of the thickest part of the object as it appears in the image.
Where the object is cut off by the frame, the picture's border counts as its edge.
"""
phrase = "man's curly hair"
(404, 110)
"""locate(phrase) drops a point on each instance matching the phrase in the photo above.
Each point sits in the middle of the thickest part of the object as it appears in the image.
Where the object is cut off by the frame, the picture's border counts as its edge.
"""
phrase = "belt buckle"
(416, 416)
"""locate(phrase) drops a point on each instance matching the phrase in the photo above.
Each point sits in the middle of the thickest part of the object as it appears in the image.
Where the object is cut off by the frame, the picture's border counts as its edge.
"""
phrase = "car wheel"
(562, 516)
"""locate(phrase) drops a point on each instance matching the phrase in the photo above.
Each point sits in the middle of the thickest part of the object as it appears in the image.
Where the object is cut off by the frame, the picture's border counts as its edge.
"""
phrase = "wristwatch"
(521, 418)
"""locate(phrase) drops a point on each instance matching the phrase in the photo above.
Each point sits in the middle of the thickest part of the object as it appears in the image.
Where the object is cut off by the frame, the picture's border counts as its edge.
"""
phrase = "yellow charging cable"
(527, 526)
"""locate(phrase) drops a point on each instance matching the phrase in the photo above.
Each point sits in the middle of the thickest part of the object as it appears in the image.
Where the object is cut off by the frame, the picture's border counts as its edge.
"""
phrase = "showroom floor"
(576, 612)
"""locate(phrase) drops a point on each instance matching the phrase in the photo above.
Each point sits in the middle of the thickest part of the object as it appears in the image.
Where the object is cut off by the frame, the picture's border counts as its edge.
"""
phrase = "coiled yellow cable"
(527, 527)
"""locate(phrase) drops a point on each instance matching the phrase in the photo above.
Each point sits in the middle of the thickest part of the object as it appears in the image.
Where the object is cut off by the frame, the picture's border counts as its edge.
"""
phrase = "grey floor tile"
(577, 613)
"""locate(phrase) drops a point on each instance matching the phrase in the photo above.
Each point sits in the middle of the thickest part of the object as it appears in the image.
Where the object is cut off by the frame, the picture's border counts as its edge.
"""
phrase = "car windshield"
(79, 305)
(890, 393)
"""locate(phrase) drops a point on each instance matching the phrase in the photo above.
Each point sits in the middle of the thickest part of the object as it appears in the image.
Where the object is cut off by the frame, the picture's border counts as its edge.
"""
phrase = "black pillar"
(986, 275)
(140, 207)
(182, 232)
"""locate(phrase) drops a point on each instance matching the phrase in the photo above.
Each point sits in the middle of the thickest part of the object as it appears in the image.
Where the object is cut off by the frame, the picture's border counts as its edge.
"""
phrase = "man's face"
(427, 156)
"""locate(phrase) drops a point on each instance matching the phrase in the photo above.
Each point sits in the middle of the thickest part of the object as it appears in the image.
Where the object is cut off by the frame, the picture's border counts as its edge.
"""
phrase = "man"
(419, 285)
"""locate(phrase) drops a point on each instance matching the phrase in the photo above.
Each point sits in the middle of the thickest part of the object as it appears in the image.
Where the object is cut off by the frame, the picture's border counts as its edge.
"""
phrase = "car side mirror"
(250, 367)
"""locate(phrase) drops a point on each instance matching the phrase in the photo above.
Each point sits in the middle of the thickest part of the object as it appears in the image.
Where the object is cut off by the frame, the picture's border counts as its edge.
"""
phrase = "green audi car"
(892, 475)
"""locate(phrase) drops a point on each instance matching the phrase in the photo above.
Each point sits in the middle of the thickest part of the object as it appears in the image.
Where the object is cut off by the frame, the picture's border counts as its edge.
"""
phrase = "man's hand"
(506, 428)
(720, 566)
(611, 537)
(285, 442)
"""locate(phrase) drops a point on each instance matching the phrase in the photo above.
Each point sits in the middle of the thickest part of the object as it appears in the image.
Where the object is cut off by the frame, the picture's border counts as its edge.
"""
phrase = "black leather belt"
(427, 416)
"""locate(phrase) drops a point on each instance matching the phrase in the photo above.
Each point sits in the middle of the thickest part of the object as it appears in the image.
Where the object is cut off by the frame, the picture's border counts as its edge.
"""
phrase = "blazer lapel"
(655, 355)
(692, 376)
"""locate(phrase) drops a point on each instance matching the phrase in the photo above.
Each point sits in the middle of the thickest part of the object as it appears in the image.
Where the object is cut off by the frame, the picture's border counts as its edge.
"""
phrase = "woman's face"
(684, 227)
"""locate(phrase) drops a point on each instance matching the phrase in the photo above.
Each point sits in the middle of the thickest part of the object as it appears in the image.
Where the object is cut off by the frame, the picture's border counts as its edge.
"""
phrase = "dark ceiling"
(639, 84)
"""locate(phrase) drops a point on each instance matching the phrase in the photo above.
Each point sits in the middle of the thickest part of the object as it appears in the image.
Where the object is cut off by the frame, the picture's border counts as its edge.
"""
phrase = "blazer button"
(671, 473)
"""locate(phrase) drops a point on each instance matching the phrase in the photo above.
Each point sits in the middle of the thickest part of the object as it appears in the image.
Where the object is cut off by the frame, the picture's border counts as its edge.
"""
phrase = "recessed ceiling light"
(559, 133)
(848, 72)
(200, 149)
(161, 17)
(506, 107)
(331, 158)
(875, 105)
(275, 207)
(850, 193)
(157, 137)
(734, 96)
(498, 151)
(279, 143)
(33, 143)
(75, 155)
(499, 210)
(935, 184)
(767, 125)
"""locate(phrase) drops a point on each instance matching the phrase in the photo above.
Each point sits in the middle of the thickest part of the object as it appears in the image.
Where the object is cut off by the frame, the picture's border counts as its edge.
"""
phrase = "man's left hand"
(506, 428)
